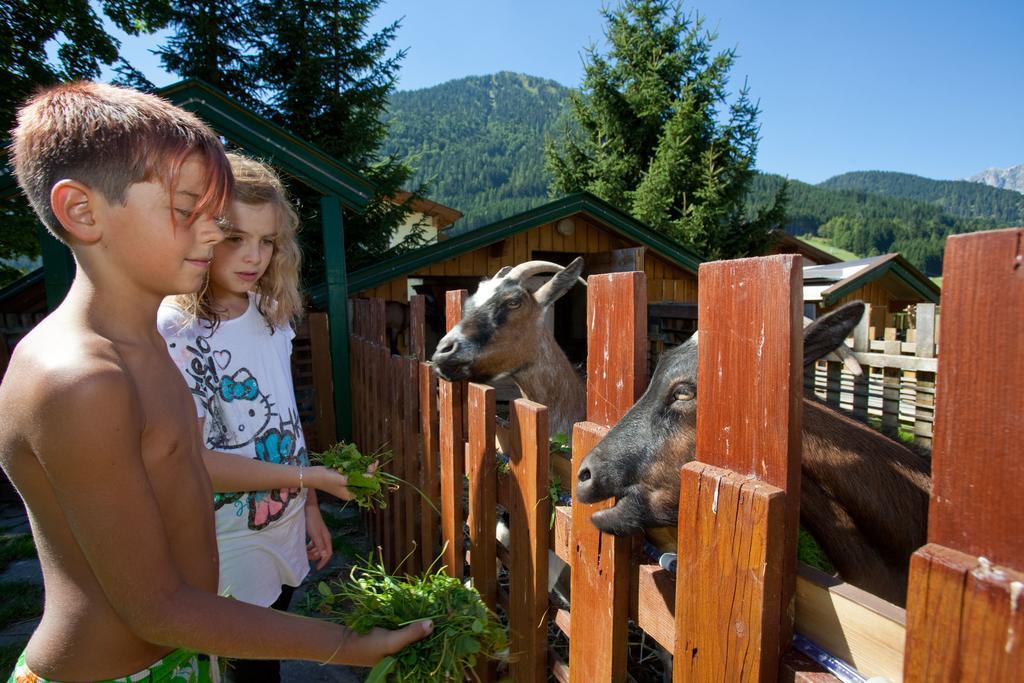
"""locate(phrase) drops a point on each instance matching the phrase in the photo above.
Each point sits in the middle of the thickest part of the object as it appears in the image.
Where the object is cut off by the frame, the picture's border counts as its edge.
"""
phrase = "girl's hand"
(329, 481)
(319, 549)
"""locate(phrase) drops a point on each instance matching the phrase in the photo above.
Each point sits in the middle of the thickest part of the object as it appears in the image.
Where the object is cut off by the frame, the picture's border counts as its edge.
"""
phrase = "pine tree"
(645, 133)
(308, 66)
(27, 28)
(329, 82)
(213, 41)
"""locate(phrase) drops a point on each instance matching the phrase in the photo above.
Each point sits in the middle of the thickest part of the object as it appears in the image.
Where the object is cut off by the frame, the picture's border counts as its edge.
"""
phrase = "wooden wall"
(665, 280)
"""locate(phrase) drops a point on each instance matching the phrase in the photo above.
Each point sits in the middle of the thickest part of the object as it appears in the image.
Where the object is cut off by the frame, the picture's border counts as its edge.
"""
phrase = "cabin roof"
(259, 137)
(829, 282)
(581, 202)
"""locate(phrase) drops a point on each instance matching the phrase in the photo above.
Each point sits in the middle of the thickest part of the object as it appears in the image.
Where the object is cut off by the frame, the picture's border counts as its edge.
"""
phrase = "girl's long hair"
(279, 300)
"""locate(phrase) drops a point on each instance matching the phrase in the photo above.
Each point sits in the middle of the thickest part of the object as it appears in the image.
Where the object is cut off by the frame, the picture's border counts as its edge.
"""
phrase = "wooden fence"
(897, 389)
(741, 595)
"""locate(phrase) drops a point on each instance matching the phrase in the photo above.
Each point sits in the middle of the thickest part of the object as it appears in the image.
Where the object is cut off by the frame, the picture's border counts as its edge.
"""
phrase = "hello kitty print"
(242, 417)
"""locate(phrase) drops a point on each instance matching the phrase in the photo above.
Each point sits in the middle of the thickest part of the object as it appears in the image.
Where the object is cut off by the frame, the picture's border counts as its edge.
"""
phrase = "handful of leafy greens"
(465, 630)
(366, 487)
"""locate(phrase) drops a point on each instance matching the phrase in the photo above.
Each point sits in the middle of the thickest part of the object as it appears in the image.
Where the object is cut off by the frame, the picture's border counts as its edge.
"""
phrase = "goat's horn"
(526, 270)
(502, 273)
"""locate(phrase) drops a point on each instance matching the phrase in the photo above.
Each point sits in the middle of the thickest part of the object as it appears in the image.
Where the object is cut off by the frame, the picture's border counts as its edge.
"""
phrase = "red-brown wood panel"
(430, 484)
(616, 315)
(749, 397)
(530, 511)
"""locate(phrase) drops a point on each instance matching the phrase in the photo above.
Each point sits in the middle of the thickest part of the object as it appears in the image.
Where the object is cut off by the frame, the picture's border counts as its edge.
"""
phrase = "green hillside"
(867, 223)
(956, 197)
(478, 142)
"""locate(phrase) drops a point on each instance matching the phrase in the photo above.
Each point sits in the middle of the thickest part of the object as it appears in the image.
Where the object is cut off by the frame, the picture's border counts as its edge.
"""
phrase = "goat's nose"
(447, 347)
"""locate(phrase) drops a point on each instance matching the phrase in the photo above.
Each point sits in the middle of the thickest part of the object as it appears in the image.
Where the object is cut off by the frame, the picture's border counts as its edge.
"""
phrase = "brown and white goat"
(502, 334)
(863, 496)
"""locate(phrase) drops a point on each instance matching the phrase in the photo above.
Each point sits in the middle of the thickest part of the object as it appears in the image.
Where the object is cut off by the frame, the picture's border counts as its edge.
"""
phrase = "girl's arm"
(235, 473)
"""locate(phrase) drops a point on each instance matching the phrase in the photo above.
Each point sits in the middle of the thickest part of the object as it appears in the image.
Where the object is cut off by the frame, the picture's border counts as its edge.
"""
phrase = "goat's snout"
(588, 489)
(451, 360)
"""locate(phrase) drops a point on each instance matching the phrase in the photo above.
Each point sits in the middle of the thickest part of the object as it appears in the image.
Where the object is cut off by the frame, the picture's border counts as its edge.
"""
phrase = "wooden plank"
(616, 344)
(750, 397)
(728, 615)
(323, 383)
(655, 610)
(600, 582)
(483, 484)
(410, 498)
(529, 513)
(430, 483)
(616, 376)
(418, 327)
(964, 619)
(852, 624)
(976, 462)
(395, 550)
(452, 455)
(482, 516)
(963, 616)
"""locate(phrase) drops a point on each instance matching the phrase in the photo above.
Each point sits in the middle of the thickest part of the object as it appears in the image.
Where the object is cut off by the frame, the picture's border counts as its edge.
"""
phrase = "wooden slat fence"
(897, 389)
(740, 592)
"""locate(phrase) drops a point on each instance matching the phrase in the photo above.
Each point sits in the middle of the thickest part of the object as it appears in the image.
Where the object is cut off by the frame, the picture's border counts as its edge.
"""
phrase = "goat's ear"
(553, 290)
(826, 333)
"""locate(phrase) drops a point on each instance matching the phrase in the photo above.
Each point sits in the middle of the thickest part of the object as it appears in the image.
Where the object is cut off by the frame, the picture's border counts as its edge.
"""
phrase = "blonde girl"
(232, 341)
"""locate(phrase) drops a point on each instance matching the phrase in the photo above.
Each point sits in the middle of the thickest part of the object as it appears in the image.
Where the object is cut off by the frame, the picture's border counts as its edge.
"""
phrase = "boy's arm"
(100, 483)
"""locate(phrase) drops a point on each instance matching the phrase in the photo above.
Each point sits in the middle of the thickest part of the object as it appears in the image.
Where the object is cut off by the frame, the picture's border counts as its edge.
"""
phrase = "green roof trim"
(581, 202)
(899, 266)
(247, 129)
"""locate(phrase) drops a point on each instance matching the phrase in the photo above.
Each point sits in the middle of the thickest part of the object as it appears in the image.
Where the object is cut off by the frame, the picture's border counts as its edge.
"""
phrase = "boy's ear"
(74, 205)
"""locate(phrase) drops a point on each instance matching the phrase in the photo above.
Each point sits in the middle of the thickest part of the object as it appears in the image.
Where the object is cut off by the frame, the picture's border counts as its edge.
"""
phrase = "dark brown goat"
(864, 497)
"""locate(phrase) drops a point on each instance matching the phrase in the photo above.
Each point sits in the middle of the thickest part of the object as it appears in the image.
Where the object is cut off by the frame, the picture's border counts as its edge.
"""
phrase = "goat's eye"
(683, 394)
(513, 303)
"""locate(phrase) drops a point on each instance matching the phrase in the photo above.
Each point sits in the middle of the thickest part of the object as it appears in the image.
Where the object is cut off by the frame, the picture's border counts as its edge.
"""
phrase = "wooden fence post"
(616, 376)
(418, 327)
(483, 490)
(737, 534)
(530, 511)
(452, 412)
(965, 620)
(429, 465)
(411, 463)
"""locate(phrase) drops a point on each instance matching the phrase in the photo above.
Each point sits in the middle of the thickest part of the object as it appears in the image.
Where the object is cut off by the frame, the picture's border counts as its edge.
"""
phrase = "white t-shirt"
(241, 379)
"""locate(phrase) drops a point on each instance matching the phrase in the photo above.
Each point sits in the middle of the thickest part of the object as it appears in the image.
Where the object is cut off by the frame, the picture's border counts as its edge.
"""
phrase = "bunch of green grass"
(465, 630)
(367, 487)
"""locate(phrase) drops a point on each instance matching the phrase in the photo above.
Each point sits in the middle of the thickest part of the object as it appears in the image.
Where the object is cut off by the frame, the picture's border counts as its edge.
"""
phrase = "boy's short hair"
(110, 138)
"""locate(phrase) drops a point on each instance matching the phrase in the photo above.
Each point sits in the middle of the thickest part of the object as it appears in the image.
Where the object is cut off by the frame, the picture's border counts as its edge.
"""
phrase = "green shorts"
(178, 666)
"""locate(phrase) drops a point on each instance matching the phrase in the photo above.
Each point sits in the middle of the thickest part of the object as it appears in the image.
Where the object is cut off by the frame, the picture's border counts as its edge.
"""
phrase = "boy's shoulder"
(55, 365)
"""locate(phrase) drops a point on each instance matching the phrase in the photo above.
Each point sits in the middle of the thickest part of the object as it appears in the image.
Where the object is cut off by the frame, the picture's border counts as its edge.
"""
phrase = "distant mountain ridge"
(1005, 178)
(960, 198)
(478, 143)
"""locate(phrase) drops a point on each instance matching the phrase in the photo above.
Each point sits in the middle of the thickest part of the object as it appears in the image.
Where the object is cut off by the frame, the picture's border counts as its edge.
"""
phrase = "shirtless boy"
(99, 434)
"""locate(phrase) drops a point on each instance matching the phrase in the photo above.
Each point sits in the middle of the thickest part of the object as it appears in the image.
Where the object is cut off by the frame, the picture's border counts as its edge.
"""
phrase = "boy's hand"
(319, 548)
(379, 643)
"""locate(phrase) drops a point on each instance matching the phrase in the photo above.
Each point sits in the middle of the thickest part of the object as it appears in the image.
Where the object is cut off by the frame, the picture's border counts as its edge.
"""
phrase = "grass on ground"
(827, 247)
(19, 600)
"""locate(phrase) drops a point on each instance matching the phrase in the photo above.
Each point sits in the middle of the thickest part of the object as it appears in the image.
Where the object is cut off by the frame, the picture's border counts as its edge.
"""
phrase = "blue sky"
(931, 88)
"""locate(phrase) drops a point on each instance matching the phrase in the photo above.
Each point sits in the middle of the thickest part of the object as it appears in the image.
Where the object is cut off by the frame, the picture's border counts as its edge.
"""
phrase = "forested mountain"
(956, 197)
(478, 142)
(867, 223)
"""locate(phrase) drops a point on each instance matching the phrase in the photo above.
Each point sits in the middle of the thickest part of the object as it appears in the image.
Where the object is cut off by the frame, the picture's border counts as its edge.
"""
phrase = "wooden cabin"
(889, 283)
(577, 225)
